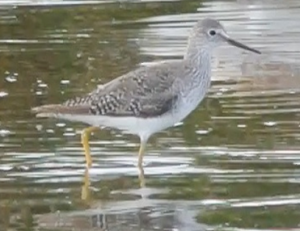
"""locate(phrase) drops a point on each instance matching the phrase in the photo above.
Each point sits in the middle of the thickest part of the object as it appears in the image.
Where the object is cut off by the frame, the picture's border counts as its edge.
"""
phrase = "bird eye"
(212, 32)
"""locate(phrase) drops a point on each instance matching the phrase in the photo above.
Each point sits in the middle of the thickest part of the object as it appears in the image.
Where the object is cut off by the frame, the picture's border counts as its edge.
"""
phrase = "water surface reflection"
(233, 164)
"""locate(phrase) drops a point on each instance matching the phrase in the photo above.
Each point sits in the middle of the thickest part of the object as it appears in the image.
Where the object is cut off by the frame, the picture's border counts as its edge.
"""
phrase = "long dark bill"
(240, 45)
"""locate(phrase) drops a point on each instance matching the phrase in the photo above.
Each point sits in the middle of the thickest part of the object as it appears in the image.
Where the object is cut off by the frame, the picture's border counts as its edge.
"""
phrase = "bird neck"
(198, 51)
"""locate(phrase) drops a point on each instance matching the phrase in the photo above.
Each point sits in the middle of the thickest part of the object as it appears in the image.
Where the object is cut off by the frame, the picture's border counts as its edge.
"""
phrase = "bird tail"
(46, 110)
(54, 110)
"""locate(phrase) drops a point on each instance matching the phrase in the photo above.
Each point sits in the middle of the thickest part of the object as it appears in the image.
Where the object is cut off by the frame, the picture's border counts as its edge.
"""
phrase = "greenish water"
(231, 165)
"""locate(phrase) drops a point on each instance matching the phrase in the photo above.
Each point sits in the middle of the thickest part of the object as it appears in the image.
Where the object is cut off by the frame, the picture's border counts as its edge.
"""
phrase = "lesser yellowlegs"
(151, 98)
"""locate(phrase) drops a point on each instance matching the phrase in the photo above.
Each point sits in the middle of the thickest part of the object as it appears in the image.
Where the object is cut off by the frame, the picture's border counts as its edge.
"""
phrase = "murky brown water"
(231, 165)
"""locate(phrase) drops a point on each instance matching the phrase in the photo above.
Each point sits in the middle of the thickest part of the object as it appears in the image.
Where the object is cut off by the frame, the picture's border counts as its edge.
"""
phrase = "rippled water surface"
(231, 165)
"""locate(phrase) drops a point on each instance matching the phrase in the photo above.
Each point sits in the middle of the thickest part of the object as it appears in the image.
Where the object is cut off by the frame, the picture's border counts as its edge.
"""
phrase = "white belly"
(133, 125)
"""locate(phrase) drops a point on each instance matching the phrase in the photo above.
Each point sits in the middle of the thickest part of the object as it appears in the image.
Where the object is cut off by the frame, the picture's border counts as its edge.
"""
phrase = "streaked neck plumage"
(198, 55)
(198, 58)
(198, 50)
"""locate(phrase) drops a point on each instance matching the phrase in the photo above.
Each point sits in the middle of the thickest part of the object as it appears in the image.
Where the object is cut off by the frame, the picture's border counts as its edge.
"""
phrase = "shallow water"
(231, 165)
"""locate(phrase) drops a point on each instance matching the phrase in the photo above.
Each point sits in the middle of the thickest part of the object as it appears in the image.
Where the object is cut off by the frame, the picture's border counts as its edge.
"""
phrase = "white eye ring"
(212, 32)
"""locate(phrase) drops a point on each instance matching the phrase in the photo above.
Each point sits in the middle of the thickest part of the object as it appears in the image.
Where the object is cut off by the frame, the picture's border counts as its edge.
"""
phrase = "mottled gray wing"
(145, 92)
(139, 107)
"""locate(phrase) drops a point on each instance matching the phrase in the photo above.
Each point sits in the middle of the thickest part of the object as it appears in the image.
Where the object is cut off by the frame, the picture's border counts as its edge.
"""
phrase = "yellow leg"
(141, 154)
(140, 162)
(85, 190)
(85, 143)
(142, 177)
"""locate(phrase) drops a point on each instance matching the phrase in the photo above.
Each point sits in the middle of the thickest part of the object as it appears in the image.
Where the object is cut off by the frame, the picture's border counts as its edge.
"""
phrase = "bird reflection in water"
(85, 189)
(100, 220)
